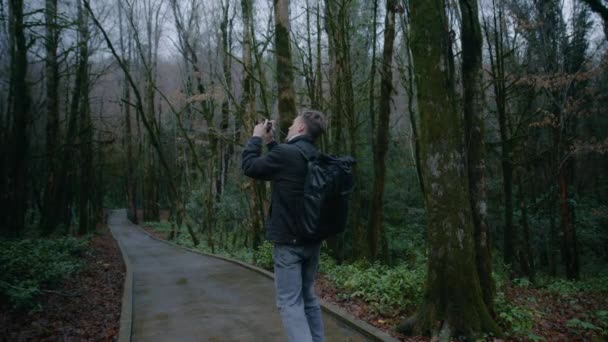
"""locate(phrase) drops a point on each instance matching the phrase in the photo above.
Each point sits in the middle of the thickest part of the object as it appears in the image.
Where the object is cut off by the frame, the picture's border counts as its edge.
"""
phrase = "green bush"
(389, 290)
(29, 266)
(517, 319)
(263, 256)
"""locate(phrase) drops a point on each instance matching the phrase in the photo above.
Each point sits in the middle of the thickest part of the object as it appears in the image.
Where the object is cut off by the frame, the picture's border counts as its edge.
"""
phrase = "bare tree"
(175, 199)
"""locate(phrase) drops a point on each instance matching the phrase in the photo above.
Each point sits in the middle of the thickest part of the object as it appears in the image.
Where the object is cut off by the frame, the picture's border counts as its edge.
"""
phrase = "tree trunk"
(570, 252)
(342, 108)
(409, 85)
(453, 301)
(226, 146)
(19, 135)
(68, 173)
(497, 60)
(85, 131)
(474, 143)
(131, 179)
(256, 213)
(307, 67)
(372, 81)
(287, 104)
(378, 244)
(151, 188)
(318, 74)
(333, 18)
(507, 185)
(526, 257)
(48, 214)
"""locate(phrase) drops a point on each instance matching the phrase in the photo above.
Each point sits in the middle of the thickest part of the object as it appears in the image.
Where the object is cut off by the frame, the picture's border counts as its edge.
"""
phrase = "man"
(295, 261)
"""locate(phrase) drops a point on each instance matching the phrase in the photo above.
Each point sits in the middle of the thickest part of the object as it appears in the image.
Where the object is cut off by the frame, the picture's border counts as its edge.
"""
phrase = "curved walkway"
(179, 295)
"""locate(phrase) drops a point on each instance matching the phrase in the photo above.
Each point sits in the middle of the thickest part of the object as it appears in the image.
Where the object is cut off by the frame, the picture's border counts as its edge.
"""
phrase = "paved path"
(183, 296)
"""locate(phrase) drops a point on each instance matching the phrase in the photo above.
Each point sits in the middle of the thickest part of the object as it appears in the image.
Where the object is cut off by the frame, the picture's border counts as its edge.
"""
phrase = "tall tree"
(378, 240)
(227, 145)
(20, 106)
(248, 105)
(338, 25)
(85, 131)
(453, 301)
(130, 179)
(497, 52)
(49, 210)
(153, 11)
(472, 81)
(287, 101)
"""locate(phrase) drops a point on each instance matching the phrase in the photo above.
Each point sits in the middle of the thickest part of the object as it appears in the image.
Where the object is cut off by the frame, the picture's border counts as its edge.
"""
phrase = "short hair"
(315, 122)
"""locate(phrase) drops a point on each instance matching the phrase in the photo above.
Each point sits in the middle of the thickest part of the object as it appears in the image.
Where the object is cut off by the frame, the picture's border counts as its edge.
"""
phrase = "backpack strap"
(306, 156)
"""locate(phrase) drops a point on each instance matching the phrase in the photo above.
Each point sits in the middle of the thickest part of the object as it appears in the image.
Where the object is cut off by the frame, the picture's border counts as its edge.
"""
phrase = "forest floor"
(554, 317)
(86, 307)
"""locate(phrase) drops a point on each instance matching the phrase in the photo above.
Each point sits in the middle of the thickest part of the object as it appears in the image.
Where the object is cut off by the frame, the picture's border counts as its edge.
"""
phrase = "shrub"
(29, 266)
(389, 290)
(263, 256)
(517, 319)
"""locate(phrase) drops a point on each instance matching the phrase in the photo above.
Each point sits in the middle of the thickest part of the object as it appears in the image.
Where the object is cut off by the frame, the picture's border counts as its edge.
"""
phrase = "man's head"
(310, 122)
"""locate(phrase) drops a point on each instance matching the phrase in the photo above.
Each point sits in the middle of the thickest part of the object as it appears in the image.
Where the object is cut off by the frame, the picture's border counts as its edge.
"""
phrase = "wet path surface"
(183, 296)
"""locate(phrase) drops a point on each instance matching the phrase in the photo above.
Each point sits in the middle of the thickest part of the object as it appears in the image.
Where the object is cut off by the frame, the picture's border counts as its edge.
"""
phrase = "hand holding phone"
(265, 130)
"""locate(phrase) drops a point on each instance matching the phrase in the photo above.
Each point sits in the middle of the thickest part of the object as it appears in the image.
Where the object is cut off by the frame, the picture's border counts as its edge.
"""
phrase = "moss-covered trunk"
(287, 102)
(453, 301)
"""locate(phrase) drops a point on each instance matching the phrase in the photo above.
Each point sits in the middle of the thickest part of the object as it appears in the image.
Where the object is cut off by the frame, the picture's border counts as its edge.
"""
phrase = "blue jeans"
(295, 268)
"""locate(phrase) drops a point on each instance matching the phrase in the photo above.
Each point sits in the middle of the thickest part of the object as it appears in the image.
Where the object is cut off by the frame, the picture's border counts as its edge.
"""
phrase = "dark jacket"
(286, 168)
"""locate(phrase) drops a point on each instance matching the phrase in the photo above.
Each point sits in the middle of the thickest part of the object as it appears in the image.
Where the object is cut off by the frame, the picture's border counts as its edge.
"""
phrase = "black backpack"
(327, 188)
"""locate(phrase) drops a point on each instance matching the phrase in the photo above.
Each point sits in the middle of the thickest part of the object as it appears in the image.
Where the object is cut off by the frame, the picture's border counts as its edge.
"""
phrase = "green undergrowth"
(597, 283)
(517, 320)
(518, 317)
(29, 267)
(389, 290)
